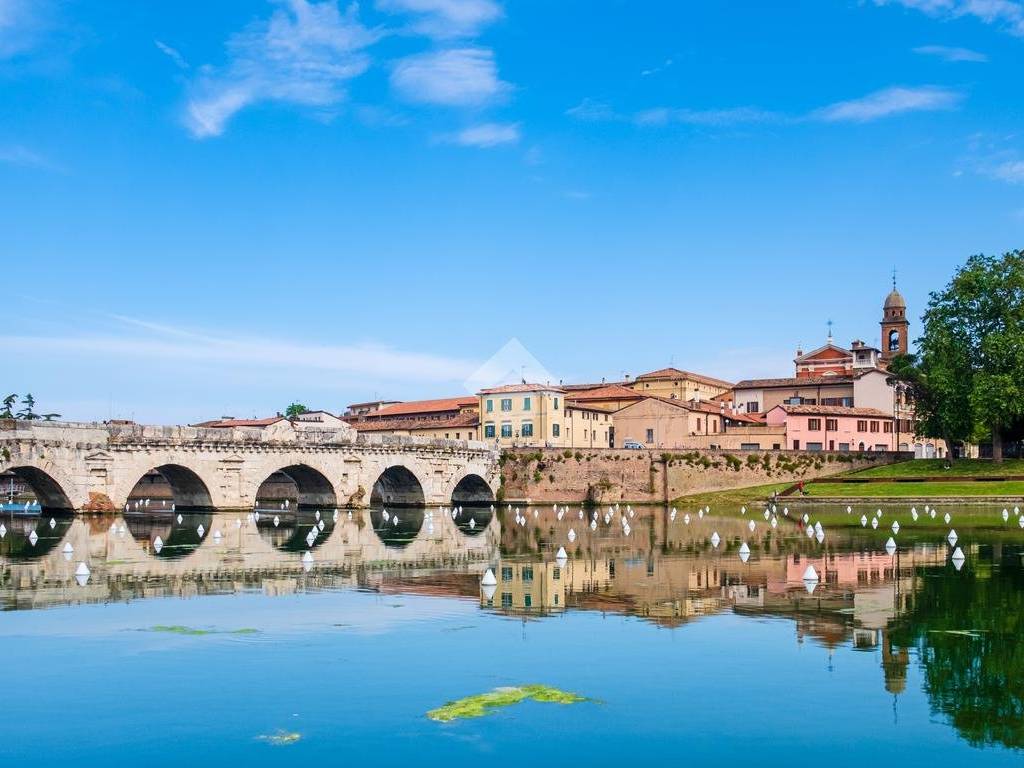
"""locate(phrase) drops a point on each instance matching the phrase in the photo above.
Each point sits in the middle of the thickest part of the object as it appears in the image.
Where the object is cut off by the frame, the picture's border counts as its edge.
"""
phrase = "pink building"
(834, 428)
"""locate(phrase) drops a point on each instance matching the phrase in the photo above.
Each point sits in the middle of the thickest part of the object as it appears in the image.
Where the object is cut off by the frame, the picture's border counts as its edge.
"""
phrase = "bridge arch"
(186, 487)
(50, 493)
(472, 491)
(397, 486)
(301, 483)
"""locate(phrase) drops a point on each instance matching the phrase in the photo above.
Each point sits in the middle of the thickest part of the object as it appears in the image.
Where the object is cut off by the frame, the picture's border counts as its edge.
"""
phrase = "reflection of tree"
(967, 627)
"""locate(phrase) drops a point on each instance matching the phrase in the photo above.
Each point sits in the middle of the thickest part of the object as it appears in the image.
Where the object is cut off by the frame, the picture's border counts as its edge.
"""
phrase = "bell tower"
(894, 324)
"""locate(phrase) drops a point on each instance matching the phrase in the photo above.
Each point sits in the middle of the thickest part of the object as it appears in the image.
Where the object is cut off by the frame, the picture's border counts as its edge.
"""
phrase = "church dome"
(895, 300)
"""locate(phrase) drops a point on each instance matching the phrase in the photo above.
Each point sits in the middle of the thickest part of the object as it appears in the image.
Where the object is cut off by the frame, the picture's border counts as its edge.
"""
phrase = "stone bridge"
(98, 467)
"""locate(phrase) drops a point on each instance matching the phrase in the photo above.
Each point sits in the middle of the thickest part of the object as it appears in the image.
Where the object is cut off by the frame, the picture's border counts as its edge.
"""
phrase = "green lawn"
(936, 467)
(726, 501)
(904, 490)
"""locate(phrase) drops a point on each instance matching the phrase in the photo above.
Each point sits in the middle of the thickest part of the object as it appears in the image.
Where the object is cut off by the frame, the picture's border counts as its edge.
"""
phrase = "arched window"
(894, 340)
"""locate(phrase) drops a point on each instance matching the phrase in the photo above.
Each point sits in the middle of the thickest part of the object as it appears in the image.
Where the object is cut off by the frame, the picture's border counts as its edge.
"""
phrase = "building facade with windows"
(523, 415)
(828, 428)
(676, 384)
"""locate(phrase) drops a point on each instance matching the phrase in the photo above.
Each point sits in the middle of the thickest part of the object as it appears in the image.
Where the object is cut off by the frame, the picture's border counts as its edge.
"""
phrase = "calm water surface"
(186, 642)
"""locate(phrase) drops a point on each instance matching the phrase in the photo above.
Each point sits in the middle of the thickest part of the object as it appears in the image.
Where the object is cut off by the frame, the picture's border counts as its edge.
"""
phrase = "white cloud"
(20, 24)
(303, 54)
(487, 135)
(25, 158)
(592, 110)
(708, 117)
(1007, 14)
(172, 54)
(218, 352)
(888, 102)
(951, 54)
(1011, 171)
(459, 77)
(445, 18)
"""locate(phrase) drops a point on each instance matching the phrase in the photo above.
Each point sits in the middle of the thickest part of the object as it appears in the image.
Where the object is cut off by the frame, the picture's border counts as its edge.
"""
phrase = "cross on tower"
(894, 278)
(829, 324)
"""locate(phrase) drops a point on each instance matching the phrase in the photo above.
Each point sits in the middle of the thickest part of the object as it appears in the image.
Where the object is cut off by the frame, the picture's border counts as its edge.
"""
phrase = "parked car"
(632, 445)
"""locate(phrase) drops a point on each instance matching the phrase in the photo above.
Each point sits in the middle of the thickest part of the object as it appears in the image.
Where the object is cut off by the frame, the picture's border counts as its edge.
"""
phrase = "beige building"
(587, 426)
(674, 384)
(524, 414)
(528, 587)
(610, 397)
(657, 422)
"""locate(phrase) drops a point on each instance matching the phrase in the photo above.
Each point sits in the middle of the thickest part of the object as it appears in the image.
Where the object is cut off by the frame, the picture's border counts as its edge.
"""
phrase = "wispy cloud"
(707, 117)
(304, 54)
(1006, 14)
(888, 102)
(487, 135)
(459, 77)
(140, 340)
(1011, 171)
(951, 54)
(655, 70)
(445, 18)
(20, 24)
(172, 54)
(875, 106)
(24, 157)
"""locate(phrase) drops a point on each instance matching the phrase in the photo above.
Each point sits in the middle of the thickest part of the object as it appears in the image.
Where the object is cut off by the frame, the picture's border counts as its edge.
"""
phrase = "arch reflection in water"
(472, 490)
(294, 529)
(472, 520)
(170, 485)
(176, 539)
(397, 528)
(29, 535)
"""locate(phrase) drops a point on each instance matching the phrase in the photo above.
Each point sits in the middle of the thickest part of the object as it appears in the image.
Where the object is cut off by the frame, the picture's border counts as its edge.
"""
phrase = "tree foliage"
(295, 409)
(969, 373)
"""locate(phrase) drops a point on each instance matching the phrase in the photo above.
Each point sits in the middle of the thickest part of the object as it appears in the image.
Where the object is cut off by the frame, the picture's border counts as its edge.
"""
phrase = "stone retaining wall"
(650, 477)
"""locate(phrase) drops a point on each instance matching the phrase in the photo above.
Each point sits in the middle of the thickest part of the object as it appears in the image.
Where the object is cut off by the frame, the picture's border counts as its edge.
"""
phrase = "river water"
(226, 639)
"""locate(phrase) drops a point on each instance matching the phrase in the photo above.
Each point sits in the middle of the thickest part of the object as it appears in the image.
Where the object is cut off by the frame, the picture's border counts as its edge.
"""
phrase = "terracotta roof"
(748, 418)
(687, 405)
(464, 420)
(513, 388)
(675, 373)
(575, 405)
(227, 423)
(423, 406)
(575, 387)
(806, 381)
(606, 392)
(832, 410)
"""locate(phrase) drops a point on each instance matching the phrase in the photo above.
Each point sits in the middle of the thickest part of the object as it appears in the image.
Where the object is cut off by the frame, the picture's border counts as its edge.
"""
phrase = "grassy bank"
(730, 500)
(937, 468)
(895, 490)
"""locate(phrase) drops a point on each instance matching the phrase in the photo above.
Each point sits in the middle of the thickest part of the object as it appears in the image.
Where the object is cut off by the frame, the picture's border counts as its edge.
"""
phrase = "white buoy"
(947, 518)
(489, 579)
(1006, 515)
(561, 557)
(890, 546)
(180, 518)
(572, 535)
(874, 523)
(82, 574)
(715, 539)
(958, 558)
(744, 552)
(33, 538)
(752, 526)
(307, 561)
(952, 538)
(53, 523)
(3, 529)
(809, 531)
(820, 536)
(863, 521)
(68, 551)
(810, 574)
(158, 544)
(472, 523)
(913, 514)
(201, 531)
(895, 526)
(775, 522)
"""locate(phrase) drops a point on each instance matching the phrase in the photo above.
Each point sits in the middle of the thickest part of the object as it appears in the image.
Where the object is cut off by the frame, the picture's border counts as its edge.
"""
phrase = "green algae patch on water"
(487, 703)
(178, 629)
(281, 738)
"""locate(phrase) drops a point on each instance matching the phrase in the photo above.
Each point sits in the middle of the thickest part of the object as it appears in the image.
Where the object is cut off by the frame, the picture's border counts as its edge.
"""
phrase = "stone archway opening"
(301, 486)
(170, 485)
(472, 490)
(397, 487)
(37, 488)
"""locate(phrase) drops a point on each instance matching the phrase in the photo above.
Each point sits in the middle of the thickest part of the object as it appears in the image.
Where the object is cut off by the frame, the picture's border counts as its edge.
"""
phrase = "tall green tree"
(295, 409)
(28, 404)
(972, 349)
(941, 398)
(8, 407)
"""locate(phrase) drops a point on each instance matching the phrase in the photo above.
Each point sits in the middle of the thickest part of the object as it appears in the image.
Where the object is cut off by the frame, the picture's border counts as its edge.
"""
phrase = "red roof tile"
(423, 406)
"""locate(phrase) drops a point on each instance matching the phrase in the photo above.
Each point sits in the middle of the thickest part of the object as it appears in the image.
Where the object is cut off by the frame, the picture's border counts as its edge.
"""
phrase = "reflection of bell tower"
(894, 324)
(894, 665)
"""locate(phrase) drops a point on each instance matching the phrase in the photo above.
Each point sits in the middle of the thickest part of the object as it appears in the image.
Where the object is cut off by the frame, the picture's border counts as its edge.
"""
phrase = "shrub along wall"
(639, 477)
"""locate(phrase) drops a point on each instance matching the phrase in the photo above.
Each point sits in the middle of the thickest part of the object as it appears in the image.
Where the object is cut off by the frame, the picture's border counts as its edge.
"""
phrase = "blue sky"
(218, 208)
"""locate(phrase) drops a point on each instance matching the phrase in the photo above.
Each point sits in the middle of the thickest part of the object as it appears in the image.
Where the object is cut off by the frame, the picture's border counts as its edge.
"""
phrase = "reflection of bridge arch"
(311, 486)
(48, 489)
(187, 487)
(397, 486)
